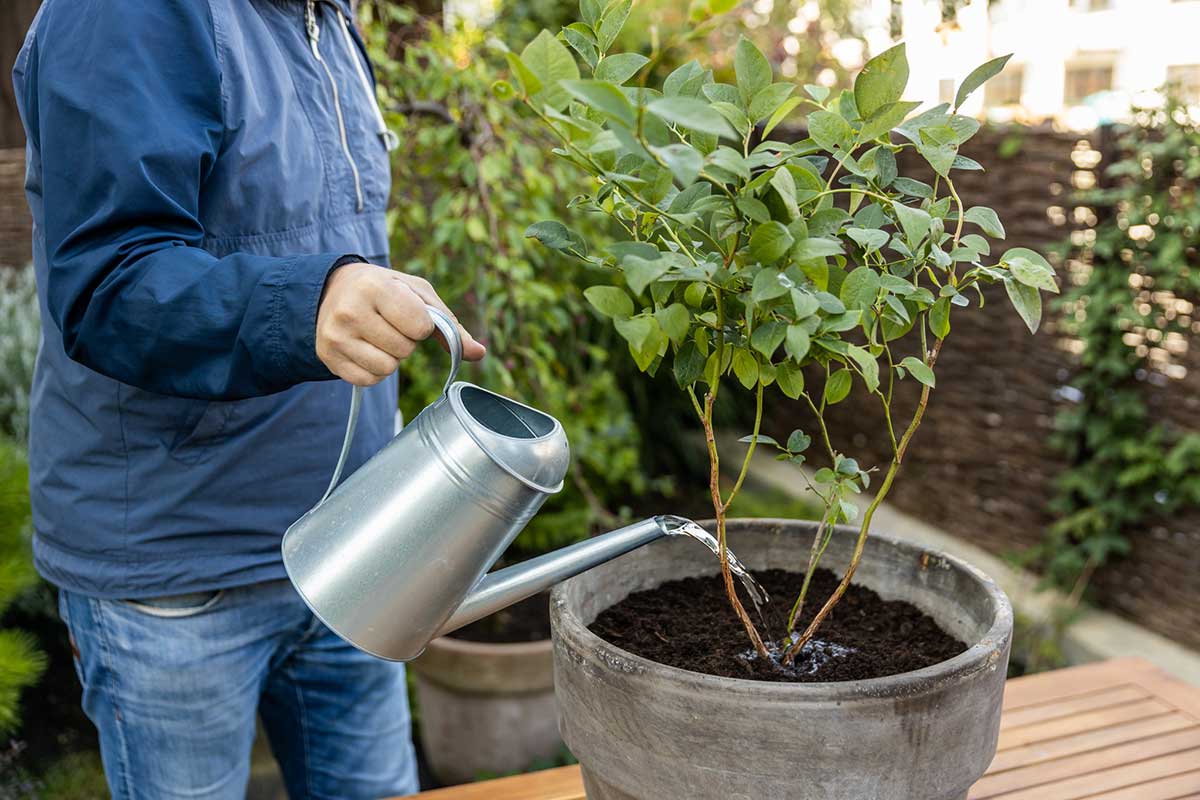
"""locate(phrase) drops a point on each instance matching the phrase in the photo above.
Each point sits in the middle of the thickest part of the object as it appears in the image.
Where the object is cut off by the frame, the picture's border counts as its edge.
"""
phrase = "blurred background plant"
(19, 332)
(1134, 282)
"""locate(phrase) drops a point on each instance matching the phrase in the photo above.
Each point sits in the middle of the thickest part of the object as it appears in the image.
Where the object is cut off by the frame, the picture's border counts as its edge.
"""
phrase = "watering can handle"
(449, 330)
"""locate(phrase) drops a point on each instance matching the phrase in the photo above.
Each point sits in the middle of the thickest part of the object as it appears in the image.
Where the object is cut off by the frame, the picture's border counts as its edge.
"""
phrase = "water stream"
(815, 654)
(681, 526)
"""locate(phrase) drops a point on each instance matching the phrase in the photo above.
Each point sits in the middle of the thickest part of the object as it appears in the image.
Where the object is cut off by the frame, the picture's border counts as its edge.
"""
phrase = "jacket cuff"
(294, 318)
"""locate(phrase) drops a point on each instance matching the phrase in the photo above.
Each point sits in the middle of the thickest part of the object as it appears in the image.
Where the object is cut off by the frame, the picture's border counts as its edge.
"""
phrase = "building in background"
(1079, 62)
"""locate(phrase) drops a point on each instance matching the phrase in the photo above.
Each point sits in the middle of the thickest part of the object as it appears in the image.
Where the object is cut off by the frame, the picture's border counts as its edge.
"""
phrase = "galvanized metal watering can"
(397, 554)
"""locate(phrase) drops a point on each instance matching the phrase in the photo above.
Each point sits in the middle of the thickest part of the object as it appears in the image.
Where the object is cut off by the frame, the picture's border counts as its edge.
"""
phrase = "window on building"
(1084, 80)
(946, 90)
(1184, 80)
(1005, 89)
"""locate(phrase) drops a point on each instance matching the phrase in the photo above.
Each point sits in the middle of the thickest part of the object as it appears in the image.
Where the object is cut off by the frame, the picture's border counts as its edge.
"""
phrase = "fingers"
(472, 350)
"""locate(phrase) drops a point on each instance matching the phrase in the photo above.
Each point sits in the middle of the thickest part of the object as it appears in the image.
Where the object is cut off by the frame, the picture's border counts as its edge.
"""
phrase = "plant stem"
(758, 412)
(865, 529)
(714, 487)
(814, 557)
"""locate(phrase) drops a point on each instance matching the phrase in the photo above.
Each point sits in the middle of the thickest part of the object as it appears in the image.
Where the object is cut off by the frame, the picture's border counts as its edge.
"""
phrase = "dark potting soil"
(689, 624)
(526, 621)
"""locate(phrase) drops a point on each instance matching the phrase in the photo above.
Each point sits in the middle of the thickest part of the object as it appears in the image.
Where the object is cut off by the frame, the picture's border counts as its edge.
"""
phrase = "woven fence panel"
(14, 210)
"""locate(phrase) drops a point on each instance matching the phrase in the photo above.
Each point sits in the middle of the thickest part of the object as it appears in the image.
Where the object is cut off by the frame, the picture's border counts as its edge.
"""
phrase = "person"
(208, 181)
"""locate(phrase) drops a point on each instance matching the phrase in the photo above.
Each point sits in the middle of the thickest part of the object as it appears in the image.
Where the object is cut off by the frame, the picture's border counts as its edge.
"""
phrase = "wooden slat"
(1118, 730)
(1081, 723)
(1115, 777)
(1174, 788)
(1091, 740)
(563, 783)
(996, 783)
(1053, 709)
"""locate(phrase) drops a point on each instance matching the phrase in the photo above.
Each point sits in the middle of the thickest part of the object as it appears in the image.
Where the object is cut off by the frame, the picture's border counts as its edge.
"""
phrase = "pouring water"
(681, 526)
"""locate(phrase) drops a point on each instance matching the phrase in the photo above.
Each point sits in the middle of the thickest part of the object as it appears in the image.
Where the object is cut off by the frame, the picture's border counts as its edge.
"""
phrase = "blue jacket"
(195, 169)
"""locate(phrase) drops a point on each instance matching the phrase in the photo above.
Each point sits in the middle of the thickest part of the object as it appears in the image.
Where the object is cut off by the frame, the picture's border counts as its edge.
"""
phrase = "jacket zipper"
(390, 140)
(314, 38)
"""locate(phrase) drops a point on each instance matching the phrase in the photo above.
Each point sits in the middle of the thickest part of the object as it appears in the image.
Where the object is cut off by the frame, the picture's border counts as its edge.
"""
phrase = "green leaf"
(977, 243)
(759, 438)
(780, 114)
(914, 221)
(939, 318)
(860, 288)
(609, 301)
(829, 130)
(689, 365)
(768, 336)
(684, 161)
(1027, 301)
(886, 118)
(745, 367)
(785, 186)
(769, 99)
(881, 81)
(770, 242)
(731, 161)
(1030, 268)
(582, 41)
(868, 239)
(986, 219)
(818, 93)
(556, 236)
(790, 378)
(675, 321)
(752, 69)
(734, 116)
(797, 342)
(685, 80)
(636, 330)
(798, 442)
(919, 370)
(940, 157)
(612, 22)
(837, 388)
(604, 97)
(816, 247)
(805, 303)
(551, 61)
(691, 113)
(641, 272)
(530, 85)
(767, 286)
(867, 363)
(590, 10)
(620, 67)
(979, 76)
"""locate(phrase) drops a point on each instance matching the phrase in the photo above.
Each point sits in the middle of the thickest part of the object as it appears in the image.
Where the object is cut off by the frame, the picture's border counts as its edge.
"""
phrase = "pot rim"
(469, 648)
(983, 654)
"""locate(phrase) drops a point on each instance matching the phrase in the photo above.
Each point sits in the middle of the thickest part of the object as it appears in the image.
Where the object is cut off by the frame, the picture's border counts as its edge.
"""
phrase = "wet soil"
(689, 624)
(526, 621)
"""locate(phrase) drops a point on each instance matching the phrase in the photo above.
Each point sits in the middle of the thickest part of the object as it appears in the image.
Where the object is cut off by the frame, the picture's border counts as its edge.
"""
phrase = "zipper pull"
(310, 26)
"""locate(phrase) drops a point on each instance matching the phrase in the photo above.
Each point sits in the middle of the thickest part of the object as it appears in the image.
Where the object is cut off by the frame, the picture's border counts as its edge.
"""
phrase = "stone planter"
(485, 709)
(651, 732)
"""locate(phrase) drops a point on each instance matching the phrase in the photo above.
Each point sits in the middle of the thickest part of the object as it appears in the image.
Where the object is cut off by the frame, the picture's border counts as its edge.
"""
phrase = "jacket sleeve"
(124, 104)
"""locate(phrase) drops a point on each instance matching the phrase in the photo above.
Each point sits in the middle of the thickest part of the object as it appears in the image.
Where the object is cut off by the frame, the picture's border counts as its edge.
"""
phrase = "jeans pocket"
(177, 605)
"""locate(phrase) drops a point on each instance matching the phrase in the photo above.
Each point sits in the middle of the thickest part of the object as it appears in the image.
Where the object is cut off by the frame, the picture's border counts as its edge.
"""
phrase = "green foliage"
(470, 177)
(757, 259)
(20, 662)
(1129, 464)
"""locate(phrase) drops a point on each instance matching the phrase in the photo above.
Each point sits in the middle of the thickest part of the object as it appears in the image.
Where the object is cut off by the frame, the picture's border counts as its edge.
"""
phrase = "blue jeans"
(173, 686)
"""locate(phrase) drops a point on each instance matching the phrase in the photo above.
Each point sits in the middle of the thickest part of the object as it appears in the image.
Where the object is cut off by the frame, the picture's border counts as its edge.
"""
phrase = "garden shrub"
(20, 331)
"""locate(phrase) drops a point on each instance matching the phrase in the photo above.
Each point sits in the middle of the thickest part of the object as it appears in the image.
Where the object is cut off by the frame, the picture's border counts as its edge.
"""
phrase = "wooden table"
(1117, 730)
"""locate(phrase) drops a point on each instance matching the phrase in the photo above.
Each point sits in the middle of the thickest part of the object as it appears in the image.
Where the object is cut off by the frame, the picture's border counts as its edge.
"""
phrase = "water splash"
(681, 526)
(815, 655)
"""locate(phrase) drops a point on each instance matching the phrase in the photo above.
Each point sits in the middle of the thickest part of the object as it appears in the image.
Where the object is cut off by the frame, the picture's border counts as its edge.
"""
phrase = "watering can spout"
(504, 587)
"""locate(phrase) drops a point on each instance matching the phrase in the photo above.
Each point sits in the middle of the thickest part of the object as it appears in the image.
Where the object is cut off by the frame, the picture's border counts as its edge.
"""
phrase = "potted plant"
(809, 268)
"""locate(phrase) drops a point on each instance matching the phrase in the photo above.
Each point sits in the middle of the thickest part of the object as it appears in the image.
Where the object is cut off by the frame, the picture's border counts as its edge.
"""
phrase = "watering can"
(397, 554)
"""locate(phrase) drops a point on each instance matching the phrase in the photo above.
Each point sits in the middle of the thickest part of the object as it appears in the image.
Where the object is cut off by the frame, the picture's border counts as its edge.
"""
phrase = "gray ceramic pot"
(651, 732)
(485, 709)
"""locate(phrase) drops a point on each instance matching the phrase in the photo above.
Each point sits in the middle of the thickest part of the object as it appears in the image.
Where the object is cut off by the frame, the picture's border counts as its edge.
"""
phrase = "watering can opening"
(505, 417)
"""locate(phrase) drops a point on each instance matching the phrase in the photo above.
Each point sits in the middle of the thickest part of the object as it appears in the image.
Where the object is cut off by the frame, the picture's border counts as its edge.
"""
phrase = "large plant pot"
(485, 709)
(647, 731)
